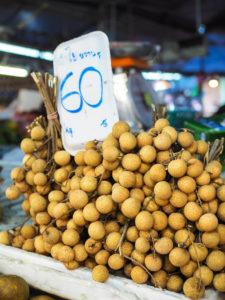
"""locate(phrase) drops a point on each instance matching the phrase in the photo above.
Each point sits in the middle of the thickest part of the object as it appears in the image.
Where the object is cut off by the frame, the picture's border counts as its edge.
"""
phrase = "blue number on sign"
(69, 94)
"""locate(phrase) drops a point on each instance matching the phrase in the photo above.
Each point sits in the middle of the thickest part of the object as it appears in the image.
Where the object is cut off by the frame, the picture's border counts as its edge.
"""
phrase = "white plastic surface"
(86, 104)
(51, 276)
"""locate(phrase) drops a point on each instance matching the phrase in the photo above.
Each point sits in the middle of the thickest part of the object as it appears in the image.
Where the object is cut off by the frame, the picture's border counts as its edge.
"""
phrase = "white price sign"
(86, 105)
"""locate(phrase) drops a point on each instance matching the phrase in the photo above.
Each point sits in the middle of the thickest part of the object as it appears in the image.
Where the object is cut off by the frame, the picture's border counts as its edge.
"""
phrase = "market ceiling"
(44, 24)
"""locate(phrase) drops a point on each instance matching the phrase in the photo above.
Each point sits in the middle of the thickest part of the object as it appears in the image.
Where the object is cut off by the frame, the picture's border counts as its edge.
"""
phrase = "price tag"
(86, 105)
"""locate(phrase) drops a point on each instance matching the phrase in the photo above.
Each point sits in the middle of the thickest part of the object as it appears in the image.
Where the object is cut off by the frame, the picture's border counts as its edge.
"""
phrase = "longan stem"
(125, 227)
(21, 225)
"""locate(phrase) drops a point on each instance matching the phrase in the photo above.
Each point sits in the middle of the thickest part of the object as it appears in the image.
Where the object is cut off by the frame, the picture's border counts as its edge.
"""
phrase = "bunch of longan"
(150, 204)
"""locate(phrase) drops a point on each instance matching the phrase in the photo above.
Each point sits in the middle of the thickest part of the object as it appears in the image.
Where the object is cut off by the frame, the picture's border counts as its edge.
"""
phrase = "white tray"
(51, 276)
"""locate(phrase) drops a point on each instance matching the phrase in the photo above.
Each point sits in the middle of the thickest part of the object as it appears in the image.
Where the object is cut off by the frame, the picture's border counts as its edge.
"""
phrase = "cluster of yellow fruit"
(149, 204)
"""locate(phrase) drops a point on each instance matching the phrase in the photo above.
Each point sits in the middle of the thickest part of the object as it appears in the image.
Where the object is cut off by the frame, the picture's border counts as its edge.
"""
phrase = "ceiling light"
(161, 76)
(25, 51)
(213, 83)
(13, 71)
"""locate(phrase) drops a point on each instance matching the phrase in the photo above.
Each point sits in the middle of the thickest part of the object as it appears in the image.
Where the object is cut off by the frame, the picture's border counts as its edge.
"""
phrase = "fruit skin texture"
(177, 168)
(219, 282)
(216, 260)
(139, 275)
(100, 273)
(193, 288)
(20, 290)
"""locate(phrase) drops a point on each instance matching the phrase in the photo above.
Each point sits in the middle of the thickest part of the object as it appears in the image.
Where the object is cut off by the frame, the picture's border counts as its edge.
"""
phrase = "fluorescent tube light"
(161, 76)
(13, 71)
(25, 51)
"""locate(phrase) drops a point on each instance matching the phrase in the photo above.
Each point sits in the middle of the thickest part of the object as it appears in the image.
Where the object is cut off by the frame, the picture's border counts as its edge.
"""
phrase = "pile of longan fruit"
(148, 204)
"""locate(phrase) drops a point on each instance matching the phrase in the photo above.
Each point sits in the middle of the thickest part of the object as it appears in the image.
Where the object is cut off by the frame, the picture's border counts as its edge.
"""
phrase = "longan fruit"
(52, 235)
(29, 177)
(179, 257)
(150, 205)
(171, 131)
(110, 141)
(92, 157)
(138, 256)
(193, 148)
(116, 261)
(62, 158)
(88, 184)
(163, 190)
(72, 265)
(70, 237)
(216, 260)
(131, 207)
(168, 208)
(37, 133)
(101, 257)
(160, 279)
(221, 192)
(131, 162)
(153, 262)
(96, 230)
(80, 252)
(43, 189)
(111, 226)
(177, 168)
(127, 248)
(104, 204)
(132, 234)
(167, 266)
(78, 218)
(163, 157)
(90, 263)
(12, 192)
(160, 220)
(61, 223)
(221, 231)
(147, 153)
(185, 139)
(184, 237)
(178, 199)
(27, 146)
(28, 231)
(144, 139)
(208, 222)
(204, 274)
(104, 188)
(5, 238)
(139, 180)
(192, 197)
(66, 254)
(162, 141)
(149, 234)
(119, 128)
(157, 172)
(55, 250)
(39, 165)
(192, 211)
(147, 190)
(160, 124)
(100, 273)
(221, 211)
(186, 184)
(56, 196)
(207, 192)
(163, 245)
(111, 153)
(112, 240)
(90, 213)
(40, 179)
(189, 269)
(127, 270)
(127, 141)
(138, 194)
(92, 246)
(127, 179)
(219, 282)
(198, 252)
(43, 218)
(142, 245)
(28, 245)
(37, 202)
(139, 275)
(193, 288)
(17, 174)
(174, 283)
(144, 220)
(60, 210)
(78, 198)
(203, 178)
(176, 221)
(79, 158)
(168, 232)
(202, 147)
(75, 183)
(39, 244)
(214, 168)
(90, 145)
(60, 175)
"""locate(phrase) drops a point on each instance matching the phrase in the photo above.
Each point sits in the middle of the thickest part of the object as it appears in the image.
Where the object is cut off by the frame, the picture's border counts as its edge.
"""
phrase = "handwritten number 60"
(72, 93)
